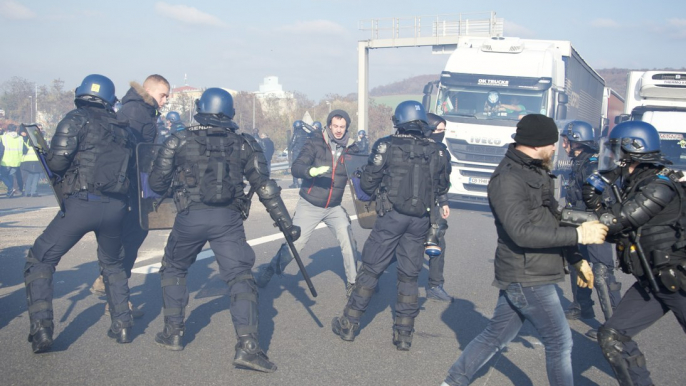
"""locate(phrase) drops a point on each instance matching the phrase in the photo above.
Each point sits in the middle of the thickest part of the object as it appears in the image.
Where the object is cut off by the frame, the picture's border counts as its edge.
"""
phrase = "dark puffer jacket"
(322, 191)
(140, 109)
(530, 239)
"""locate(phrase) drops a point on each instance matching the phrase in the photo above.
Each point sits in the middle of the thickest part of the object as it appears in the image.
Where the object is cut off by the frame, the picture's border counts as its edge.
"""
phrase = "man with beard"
(321, 165)
(529, 256)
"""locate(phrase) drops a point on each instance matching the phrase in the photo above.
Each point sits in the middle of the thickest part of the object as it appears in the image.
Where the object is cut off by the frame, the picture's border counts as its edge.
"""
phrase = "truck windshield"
(673, 146)
(482, 103)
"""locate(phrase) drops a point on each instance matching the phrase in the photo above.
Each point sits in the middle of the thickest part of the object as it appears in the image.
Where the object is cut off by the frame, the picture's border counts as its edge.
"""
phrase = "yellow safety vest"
(13, 150)
(31, 154)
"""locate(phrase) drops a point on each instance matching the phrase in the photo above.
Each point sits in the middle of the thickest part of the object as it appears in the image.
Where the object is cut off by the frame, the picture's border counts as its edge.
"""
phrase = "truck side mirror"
(621, 118)
(429, 88)
(562, 98)
(561, 112)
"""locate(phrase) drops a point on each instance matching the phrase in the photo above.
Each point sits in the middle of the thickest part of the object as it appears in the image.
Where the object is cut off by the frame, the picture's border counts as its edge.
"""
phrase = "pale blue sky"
(311, 45)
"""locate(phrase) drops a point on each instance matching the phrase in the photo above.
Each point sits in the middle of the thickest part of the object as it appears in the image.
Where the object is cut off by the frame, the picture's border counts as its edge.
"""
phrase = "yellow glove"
(591, 232)
(584, 277)
(314, 172)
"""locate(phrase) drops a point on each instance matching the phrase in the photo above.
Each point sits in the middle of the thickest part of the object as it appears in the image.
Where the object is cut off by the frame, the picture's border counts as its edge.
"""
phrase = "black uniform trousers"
(436, 263)
(597, 254)
(398, 235)
(638, 310)
(133, 236)
(83, 213)
(223, 228)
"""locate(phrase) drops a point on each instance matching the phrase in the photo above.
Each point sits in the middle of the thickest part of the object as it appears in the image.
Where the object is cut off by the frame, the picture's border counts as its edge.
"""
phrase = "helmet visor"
(610, 155)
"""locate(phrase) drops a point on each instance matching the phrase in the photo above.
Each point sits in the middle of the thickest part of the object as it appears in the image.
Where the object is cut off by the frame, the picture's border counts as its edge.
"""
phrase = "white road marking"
(207, 253)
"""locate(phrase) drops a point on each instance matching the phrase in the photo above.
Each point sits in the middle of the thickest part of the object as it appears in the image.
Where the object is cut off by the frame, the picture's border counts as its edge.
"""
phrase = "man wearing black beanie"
(529, 256)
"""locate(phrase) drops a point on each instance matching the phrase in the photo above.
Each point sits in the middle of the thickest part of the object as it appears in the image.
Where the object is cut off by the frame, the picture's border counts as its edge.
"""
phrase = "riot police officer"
(406, 173)
(94, 189)
(207, 164)
(650, 204)
(174, 121)
(579, 142)
(301, 133)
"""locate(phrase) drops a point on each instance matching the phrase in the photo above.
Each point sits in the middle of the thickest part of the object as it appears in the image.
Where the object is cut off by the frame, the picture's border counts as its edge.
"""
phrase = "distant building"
(272, 89)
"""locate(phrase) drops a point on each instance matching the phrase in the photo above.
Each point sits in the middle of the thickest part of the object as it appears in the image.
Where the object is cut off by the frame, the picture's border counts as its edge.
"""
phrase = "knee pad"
(366, 278)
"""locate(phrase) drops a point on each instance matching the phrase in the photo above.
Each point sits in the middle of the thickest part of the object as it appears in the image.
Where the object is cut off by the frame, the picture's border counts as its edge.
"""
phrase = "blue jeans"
(541, 306)
(32, 183)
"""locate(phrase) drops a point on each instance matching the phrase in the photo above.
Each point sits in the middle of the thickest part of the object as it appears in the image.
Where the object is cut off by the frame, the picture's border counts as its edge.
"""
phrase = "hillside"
(614, 78)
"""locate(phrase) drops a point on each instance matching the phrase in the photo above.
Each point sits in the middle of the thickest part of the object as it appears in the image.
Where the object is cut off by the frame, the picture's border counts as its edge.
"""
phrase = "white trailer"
(489, 83)
(659, 98)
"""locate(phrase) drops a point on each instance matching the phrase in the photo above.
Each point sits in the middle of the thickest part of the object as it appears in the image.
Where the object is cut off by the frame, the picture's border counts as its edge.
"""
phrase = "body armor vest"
(409, 180)
(209, 168)
(102, 160)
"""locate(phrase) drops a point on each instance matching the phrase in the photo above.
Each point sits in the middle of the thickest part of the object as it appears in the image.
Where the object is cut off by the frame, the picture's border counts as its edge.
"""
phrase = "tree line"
(273, 116)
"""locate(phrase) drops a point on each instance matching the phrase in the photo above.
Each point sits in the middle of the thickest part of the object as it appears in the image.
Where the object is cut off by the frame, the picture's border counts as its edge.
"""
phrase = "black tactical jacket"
(530, 239)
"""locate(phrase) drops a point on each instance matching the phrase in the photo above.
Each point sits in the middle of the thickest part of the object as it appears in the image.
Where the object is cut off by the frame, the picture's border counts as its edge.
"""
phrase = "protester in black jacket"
(321, 165)
(139, 108)
(529, 256)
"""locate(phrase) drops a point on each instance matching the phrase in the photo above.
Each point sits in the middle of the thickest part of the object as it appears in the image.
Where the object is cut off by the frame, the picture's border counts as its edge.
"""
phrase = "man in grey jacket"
(529, 256)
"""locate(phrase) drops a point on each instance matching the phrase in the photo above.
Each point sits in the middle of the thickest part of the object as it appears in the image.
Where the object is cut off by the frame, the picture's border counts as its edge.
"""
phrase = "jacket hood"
(522, 158)
(137, 92)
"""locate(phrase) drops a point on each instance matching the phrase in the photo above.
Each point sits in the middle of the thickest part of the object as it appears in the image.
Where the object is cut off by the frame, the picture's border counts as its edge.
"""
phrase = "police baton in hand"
(296, 256)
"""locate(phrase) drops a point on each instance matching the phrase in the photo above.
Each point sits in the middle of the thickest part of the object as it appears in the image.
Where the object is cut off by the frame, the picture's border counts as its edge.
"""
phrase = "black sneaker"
(342, 327)
(402, 339)
(40, 335)
(249, 355)
(11, 193)
(170, 338)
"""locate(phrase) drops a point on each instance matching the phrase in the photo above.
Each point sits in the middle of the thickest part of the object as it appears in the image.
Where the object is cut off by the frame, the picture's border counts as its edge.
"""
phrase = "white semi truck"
(659, 98)
(489, 83)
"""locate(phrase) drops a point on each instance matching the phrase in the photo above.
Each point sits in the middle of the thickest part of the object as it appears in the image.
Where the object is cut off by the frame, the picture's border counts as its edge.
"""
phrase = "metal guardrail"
(279, 166)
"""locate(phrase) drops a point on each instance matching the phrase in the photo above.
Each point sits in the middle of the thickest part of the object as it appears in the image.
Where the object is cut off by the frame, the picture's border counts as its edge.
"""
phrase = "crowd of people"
(20, 169)
(623, 181)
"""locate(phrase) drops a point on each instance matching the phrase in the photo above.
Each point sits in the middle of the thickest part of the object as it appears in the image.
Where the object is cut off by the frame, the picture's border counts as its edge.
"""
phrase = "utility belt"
(88, 196)
(668, 266)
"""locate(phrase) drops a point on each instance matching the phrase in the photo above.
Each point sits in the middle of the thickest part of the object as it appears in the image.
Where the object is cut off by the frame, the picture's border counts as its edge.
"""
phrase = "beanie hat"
(536, 130)
(340, 113)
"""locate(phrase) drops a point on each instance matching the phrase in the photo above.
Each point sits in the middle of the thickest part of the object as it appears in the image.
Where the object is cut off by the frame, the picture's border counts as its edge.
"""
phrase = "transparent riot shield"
(365, 207)
(40, 146)
(156, 211)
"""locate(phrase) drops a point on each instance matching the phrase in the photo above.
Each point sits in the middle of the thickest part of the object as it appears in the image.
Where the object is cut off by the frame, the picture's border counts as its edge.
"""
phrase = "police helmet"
(173, 116)
(629, 141)
(362, 133)
(96, 88)
(317, 125)
(216, 101)
(579, 132)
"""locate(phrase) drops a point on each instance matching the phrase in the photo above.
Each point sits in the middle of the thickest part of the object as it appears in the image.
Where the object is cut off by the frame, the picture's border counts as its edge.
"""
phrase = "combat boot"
(120, 332)
(171, 337)
(264, 275)
(343, 327)
(402, 339)
(40, 335)
(250, 355)
(576, 311)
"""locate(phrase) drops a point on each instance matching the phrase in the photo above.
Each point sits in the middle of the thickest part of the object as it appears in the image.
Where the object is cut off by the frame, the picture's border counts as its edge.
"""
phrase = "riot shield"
(364, 206)
(41, 148)
(156, 211)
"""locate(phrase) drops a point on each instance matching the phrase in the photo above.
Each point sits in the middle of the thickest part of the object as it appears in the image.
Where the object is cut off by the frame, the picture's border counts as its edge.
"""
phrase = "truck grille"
(466, 152)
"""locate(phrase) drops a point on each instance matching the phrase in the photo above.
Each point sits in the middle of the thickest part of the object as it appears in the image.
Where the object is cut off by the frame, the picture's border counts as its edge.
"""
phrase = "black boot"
(171, 337)
(120, 332)
(344, 328)
(250, 355)
(402, 339)
(40, 335)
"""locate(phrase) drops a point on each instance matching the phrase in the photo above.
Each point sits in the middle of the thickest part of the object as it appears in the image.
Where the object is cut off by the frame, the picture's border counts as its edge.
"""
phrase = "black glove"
(591, 196)
(293, 231)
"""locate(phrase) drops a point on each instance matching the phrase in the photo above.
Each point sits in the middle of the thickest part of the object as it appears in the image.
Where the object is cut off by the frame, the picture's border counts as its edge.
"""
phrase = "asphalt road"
(294, 327)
